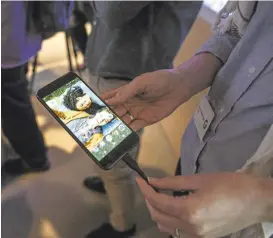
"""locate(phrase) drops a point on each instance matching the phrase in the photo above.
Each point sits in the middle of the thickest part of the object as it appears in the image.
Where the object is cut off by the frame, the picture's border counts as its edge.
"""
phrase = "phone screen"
(88, 118)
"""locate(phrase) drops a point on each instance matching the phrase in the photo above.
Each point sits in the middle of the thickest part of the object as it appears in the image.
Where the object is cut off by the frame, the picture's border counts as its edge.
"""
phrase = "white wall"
(210, 8)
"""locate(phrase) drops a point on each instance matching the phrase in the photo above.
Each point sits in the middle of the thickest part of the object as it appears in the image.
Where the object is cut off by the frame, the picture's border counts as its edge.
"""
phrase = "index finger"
(162, 202)
(110, 93)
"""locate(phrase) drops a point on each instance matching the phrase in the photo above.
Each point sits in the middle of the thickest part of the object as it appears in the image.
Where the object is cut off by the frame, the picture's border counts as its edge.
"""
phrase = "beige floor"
(54, 204)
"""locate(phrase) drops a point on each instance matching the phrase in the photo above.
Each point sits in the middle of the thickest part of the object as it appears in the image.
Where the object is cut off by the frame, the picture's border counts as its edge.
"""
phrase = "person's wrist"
(184, 93)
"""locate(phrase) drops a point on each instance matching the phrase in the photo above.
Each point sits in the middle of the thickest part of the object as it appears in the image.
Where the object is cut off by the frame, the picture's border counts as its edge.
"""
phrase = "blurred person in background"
(18, 118)
(128, 39)
(82, 13)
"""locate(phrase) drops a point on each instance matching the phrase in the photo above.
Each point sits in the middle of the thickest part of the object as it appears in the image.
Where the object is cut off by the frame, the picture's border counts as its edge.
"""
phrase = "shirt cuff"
(220, 46)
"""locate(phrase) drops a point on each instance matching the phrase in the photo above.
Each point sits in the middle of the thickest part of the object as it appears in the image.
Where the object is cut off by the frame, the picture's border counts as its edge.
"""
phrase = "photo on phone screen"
(87, 117)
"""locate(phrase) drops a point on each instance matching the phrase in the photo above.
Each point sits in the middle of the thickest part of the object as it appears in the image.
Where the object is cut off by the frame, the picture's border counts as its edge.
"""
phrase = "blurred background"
(54, 204)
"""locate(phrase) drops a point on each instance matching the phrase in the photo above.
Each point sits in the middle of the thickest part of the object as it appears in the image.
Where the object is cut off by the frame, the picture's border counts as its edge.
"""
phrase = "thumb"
(177, 183)
(127, 92)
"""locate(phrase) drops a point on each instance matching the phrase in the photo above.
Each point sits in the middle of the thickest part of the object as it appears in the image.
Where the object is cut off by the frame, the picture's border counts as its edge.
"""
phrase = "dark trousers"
(178, 173)
(78, 32)
(178, 168)
(18, 118)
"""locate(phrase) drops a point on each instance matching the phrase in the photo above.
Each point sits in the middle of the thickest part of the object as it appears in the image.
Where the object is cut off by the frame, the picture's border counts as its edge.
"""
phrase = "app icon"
(116, 132)
(109, 138)
(102, 144)
(96, 149)
(121, 127)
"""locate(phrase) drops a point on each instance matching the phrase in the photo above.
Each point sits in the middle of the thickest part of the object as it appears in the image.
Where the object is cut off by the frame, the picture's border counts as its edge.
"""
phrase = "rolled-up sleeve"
(220, 45)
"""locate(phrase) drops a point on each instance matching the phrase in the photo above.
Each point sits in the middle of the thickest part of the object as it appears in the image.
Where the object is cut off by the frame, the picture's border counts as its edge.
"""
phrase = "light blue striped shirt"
(241, 96)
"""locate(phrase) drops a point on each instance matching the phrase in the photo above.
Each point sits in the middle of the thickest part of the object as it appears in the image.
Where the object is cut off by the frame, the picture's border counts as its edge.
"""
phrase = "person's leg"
(26, 68)
(177, 173)
(80, 36)
(120, 186)
(19, 123)
(10, 153)
(78, 32)
(119, 181)
(178, 168)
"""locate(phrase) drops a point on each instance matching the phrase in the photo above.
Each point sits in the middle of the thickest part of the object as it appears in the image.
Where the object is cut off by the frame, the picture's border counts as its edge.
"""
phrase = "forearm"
(198, 73)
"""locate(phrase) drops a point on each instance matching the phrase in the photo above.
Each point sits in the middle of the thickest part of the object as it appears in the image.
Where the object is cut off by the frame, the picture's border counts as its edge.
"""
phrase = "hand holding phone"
(93, 125)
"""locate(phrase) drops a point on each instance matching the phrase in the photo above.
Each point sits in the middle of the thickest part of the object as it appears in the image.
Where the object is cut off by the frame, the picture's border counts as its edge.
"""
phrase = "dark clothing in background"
(18, 118)
(78, 31)
(131, 38)
(17, 45)
(82, 14)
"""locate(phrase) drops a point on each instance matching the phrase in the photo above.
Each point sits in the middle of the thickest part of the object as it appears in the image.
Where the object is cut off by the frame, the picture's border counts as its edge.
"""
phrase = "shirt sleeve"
(115, 13)
(220, 45)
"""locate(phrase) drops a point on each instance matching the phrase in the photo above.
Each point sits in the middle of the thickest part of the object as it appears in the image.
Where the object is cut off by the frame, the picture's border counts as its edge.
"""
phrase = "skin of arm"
(199, 72)
(202, 66)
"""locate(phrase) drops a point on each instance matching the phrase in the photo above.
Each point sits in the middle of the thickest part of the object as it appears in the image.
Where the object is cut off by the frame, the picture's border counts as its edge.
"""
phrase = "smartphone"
(104, 136)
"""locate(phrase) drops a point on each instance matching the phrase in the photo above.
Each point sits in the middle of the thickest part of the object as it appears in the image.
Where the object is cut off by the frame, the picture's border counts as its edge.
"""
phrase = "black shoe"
(18, 167)
(95, 184)
(107, 231)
